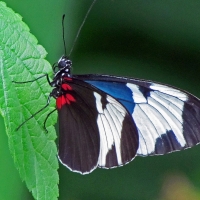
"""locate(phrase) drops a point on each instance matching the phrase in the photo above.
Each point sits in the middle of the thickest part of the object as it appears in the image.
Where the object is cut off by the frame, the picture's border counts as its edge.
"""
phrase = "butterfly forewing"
(167, 119)
(95, 128)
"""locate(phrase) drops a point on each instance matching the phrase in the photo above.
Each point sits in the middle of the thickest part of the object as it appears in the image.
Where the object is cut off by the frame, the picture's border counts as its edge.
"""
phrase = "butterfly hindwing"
(79, 137)
(167, 119)
(95, 129)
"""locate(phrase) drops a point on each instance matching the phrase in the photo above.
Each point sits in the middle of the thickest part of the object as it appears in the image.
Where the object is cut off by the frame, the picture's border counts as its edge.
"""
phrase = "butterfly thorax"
(62, 74)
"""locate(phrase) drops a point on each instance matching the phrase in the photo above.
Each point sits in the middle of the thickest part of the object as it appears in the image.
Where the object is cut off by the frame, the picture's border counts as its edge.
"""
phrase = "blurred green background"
(156, 40)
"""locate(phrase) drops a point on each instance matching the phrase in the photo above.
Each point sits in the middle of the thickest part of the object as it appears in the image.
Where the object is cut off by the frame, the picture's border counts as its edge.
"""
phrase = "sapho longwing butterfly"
(105, 121)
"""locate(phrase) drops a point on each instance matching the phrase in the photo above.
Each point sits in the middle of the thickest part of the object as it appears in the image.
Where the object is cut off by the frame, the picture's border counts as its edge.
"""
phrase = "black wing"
(94, 129)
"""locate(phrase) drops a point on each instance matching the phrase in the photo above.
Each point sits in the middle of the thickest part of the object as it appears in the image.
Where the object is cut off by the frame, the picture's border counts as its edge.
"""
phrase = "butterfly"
(105, 121)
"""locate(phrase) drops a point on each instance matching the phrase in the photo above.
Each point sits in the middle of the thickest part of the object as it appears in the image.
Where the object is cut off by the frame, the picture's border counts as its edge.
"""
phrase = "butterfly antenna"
(81, 26)
(63, 33)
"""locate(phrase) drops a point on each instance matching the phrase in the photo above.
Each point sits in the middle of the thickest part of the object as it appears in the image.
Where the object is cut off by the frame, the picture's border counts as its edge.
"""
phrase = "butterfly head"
(63, 67)
(64, 63)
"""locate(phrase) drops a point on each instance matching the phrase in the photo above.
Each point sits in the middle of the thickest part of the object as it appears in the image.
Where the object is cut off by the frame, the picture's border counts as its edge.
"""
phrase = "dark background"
(155, 40)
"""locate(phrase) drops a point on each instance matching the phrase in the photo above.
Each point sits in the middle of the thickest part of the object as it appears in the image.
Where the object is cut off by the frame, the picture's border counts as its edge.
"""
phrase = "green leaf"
(33, 150)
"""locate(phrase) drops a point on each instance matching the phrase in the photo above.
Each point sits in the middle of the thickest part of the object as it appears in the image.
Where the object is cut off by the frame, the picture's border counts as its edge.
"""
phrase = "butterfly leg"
(47, 77)
(48, 102)
(47, 119)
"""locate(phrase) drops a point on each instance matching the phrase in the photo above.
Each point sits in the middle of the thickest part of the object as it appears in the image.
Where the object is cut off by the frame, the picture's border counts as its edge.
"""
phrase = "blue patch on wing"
(117, 90)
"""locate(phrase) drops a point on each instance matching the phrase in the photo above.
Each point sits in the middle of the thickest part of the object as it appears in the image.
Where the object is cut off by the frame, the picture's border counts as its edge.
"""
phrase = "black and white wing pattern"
(105, 121)
(94, 129)
(167, 119)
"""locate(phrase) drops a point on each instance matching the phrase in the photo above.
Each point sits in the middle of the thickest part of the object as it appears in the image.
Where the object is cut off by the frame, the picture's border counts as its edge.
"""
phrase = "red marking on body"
(66, 86)
(64, 99)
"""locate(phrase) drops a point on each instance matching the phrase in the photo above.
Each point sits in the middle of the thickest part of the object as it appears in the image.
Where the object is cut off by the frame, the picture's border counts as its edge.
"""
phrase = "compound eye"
(62, 64)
